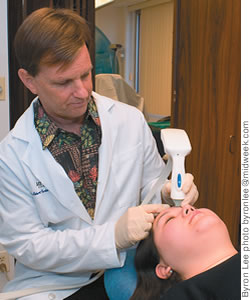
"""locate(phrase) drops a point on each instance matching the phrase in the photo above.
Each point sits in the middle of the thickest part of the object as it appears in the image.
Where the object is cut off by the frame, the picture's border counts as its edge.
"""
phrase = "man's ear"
(162, 271)
(28, 80)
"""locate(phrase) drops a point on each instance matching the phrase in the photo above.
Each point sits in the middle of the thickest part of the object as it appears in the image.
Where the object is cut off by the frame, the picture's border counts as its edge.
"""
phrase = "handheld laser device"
(177, 145)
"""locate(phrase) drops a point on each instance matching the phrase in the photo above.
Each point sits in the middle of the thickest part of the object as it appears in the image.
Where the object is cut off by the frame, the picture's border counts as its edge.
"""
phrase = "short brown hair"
(50, 37)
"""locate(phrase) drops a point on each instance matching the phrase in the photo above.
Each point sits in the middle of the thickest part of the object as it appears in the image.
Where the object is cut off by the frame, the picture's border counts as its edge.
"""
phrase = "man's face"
(65, 92)
(184, 232)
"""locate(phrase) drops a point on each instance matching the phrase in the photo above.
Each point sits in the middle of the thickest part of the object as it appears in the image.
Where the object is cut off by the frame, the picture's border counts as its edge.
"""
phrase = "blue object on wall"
(105, 58)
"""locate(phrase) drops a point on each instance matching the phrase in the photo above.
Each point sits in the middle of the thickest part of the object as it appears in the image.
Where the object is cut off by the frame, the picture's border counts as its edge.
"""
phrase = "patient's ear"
(28, 80)
(162, 271)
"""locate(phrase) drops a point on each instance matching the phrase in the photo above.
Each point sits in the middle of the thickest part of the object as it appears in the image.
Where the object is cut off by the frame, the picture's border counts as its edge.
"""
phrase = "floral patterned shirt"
(78, 155)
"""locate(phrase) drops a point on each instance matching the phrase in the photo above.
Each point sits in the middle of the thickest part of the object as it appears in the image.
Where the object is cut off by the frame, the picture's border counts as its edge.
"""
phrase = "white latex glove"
(188, 187)
(135, 224)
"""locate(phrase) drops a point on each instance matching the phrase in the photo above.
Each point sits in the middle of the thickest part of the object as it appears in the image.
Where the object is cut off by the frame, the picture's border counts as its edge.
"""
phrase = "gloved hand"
(188, 187)
(135, 224)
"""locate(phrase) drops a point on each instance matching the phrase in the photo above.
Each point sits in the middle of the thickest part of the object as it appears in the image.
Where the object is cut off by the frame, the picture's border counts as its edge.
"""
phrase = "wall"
(156, 41)
(4, 105)
(118, 25)
(4, 277)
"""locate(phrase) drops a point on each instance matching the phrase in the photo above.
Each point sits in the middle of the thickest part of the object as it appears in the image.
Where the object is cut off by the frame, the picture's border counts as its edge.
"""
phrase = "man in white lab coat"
(74, 168)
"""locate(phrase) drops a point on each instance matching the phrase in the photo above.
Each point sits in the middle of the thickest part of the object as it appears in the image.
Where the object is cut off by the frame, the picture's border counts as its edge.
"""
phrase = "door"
(206, 101)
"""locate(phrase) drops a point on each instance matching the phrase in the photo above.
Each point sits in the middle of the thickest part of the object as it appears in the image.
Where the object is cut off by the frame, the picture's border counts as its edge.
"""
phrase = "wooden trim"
(174, 100)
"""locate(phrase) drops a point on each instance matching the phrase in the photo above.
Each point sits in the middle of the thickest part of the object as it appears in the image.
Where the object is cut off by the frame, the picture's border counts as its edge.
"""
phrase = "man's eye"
(85, 76)
(63, 83)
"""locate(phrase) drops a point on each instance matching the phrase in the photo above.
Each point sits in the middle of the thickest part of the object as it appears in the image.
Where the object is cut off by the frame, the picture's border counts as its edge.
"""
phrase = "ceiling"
(117, 3)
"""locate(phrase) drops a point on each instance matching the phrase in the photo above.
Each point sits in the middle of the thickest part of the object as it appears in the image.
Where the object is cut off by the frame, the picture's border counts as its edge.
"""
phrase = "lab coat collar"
(105, 150)
(22, 129)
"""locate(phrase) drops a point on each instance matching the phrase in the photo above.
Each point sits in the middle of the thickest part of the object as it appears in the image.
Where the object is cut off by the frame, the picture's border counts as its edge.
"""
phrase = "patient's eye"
(169, 219)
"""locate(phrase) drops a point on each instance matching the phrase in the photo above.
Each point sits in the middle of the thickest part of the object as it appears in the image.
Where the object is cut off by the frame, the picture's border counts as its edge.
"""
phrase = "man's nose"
(80, 90)
(187, 209)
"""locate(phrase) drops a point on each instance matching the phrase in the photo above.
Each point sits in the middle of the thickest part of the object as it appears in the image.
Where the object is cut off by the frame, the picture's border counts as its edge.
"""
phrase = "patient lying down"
(188, 255)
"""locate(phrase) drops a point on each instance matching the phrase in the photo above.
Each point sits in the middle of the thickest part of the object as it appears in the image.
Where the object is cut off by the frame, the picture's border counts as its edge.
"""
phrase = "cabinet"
(206, 100)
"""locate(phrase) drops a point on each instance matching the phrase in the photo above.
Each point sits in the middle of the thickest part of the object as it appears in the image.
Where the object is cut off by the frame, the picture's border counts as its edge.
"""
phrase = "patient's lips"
(193, 215)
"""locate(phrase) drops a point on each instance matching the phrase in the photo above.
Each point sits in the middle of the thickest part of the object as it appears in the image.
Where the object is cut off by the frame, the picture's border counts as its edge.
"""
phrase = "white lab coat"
(44, 225)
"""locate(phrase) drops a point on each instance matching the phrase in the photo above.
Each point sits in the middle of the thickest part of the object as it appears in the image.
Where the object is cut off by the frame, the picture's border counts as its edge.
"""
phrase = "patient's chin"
(208, 223)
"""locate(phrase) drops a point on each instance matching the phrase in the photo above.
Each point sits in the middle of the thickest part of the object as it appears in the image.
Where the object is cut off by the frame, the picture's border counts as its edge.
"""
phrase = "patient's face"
(185, 232)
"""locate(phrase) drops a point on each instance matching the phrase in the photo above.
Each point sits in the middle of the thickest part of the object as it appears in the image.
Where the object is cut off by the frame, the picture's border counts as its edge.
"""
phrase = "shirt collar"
(47, 129)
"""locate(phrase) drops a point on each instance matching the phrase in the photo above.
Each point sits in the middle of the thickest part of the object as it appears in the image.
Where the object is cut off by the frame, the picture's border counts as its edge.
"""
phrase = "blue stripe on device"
(179, 180)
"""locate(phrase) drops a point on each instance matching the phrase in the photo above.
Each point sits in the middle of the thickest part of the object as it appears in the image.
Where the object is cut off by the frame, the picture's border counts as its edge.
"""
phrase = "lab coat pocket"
(50, 209)
(127, 168)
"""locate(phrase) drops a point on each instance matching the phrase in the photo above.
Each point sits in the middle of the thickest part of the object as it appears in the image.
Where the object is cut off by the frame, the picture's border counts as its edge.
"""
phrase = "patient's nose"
(187, 209)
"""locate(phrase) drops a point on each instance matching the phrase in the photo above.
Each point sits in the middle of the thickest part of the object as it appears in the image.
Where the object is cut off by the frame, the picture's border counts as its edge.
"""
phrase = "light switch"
(2, 88)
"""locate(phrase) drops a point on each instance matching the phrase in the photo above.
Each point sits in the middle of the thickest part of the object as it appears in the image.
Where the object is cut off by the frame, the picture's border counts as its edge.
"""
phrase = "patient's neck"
(210, 261)
(221, 260)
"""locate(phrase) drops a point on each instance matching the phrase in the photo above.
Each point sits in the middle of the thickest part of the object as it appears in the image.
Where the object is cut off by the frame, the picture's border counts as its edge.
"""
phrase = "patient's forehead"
(165, 212)
(169, 210)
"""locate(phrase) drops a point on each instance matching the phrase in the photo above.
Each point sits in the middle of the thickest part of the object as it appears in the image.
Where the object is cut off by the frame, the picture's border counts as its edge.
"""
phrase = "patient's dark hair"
(149, 286)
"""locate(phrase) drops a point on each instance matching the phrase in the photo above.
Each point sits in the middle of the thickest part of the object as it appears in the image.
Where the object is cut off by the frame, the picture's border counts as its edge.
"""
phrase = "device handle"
(178, 173)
